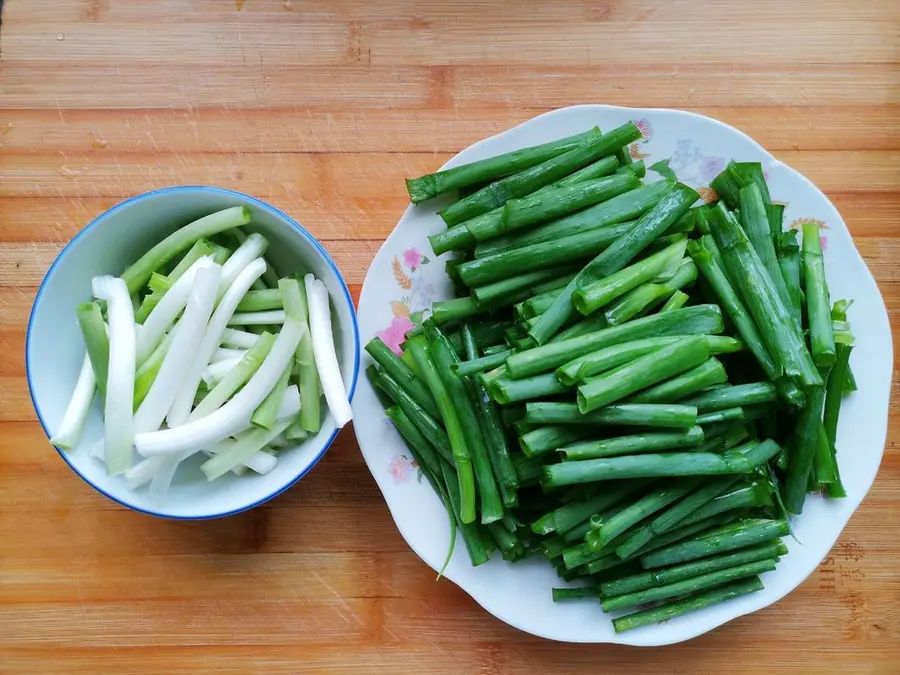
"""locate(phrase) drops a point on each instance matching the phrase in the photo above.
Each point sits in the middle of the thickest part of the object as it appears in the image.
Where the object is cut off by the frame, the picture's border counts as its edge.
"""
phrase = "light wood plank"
(418, 15)
(448, 41)
(95, 133)
(69, 85)
(686, 84)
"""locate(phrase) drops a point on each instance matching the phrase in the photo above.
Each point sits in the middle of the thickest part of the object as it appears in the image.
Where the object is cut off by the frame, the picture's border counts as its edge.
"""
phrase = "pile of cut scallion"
(638, 388)
(199, 347)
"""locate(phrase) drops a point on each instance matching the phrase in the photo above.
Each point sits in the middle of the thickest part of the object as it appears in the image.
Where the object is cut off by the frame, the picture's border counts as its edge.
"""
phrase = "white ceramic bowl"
(54, 347)
(404, 279)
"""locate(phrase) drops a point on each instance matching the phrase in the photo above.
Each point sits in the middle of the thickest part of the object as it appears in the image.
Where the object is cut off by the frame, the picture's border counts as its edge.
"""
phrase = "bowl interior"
(55, 349)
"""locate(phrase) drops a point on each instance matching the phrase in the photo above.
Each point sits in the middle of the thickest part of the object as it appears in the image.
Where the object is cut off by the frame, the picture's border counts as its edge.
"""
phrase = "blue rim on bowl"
(263, 206)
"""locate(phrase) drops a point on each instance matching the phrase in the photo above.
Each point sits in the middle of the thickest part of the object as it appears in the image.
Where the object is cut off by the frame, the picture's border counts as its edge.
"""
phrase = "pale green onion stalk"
(252, 248)
(187, 335)
(266, 318)
(235, 379)
(244, 446)
(139, 273)
(224, 353)
(69, 432)
(260, 462)
(265, 415)
(201, 248)
(323, 348)
(166, 311)
(96, 340)
(238, 339)
(293, 298)
(235, 414)
(149, 369)
(212, 336)
(118, 416)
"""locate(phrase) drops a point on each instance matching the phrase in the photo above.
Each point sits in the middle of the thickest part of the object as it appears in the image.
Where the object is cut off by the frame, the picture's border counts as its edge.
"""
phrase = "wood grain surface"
(322, 108)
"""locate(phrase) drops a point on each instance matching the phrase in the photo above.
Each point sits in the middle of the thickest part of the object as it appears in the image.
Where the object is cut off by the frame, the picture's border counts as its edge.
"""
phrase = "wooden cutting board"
(322, 108)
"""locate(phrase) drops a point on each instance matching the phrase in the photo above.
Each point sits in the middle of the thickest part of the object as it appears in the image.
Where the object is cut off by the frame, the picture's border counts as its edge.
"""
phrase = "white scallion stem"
(290, 402)
(185, 342)
(69, 432)
(270, 276)
(143, 471)
(260, 461)
(233, 415)
(238, 339)
(214, 372)
(212, 336)
(118, 416)
(216, 397)
(162, 479)
(167, 310)
(323, 348)
(250, 249)
(223, 353)
(272, 316)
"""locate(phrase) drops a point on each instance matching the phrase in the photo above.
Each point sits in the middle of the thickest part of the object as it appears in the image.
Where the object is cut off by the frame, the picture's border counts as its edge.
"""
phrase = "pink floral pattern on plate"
(394, 335)
(695, 168)
(402, 467)
(408, 309)
(636, 148)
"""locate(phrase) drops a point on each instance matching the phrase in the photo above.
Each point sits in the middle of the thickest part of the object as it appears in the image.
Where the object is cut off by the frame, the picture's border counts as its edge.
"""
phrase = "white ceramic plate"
(405, 278)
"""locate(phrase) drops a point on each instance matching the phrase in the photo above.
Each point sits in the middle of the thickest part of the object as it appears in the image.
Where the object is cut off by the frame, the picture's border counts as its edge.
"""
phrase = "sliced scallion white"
(235, 414)
(266, 318)
(167, 310)
(143, 471)
(214, 372)
(250, 249)
(238, 339)
(224, 353)
(69, 432)
(260, 462)
(212, 336)
(118, 416)
(162, 479)
(323, 347)
(185, 342)
(235, 378)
